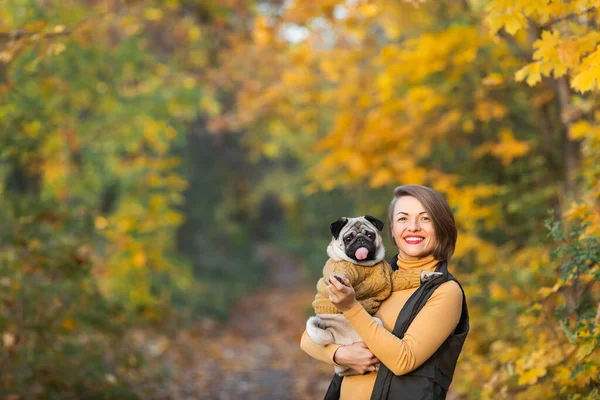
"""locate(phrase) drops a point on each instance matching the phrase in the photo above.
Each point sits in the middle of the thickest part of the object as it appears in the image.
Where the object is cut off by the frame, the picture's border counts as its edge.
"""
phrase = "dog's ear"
(337, 226)
(378, 223)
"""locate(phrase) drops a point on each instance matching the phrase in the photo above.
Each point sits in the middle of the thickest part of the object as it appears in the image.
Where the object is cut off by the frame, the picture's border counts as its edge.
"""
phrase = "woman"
(419, 362)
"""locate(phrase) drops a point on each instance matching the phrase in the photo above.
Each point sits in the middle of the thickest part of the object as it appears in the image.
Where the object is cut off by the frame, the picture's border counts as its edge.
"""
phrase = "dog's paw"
(317, 331)
(318, 323)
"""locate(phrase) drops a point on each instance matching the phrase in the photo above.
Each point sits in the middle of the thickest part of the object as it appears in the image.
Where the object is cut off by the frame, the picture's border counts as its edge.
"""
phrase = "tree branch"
(567, 17)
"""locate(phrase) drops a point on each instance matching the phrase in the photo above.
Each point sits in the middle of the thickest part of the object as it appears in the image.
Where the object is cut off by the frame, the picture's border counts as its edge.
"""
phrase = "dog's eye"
(371, 235)
(348, 239)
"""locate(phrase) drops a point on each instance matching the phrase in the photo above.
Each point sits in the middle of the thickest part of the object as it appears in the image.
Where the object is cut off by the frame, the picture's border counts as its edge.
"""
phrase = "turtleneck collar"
(427, 263)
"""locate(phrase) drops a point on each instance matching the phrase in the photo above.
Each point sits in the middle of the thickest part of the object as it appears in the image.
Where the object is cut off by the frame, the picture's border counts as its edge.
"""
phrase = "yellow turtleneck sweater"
(430, 328)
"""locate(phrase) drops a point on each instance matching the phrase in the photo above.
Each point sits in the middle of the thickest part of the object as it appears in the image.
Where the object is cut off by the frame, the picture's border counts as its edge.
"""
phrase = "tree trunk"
(572, 151)
(572, 158)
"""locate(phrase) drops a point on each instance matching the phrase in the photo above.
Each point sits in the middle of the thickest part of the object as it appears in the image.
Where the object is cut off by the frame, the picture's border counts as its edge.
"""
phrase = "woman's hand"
(341, 295)
(356, 356)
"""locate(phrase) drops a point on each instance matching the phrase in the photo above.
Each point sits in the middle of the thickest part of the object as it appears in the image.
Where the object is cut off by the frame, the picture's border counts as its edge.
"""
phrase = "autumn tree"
(96, 99)
(378, 93)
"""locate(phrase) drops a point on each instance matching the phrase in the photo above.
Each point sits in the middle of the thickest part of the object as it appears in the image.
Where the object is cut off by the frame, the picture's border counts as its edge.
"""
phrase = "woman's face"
(413, 229)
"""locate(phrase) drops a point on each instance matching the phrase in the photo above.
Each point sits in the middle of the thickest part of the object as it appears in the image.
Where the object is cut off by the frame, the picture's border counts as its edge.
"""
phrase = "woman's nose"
(413, 226)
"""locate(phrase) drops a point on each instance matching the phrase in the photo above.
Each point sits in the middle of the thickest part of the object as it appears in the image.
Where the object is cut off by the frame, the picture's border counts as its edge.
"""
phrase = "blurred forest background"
(169, 170)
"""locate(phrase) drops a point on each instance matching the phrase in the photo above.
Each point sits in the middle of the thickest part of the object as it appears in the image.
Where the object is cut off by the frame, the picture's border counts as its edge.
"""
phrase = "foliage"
(96, 102)
(365, 95)
(150, 150)
(61, 337)
(88, 118)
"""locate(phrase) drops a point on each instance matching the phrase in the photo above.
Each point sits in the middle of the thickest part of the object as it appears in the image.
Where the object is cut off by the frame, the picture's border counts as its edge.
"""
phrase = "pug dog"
(356, 252)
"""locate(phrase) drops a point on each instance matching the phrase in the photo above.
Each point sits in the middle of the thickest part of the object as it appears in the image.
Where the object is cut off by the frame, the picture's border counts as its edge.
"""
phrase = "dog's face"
(357, 240)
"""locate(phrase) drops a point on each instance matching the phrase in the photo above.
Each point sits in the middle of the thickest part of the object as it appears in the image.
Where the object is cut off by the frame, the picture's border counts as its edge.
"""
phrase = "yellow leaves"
(530, 72)
(35, 26)
(589, 76)
(210, 105)
(32, 129)
(586, 80)
(139, 259)
(451, 51)
(558, 56)
(467, 202)
(56, 48)
(531, 376)
(157, 134)
(174, 218)
(55, 174)
(271, 149)
(512, 23)
(415, 176)
(504, 16)
(504, 351)
(513, 15)
(547, 291)
(498, 292)
(422, 99)
(533, 365)
(262, 32)
(194, 33)
(568, 54)
(585, 349)
(493, 79)
(442, 182)
(487, 110)
(562, 375)
(331, 69)
(382, 177)
(391, 28)
(581, 129)
(58, 29)
(446, 124)
(100, 223)
(153, 14)
(299, 77)
(546, 47)
(468, 126)
(507, 149)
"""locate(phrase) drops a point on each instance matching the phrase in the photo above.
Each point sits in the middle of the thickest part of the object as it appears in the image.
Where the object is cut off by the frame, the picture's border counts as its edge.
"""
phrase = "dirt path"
(255, 355)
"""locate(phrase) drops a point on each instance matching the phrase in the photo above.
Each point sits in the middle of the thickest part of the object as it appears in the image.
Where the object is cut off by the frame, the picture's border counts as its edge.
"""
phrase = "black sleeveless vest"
(431, 380)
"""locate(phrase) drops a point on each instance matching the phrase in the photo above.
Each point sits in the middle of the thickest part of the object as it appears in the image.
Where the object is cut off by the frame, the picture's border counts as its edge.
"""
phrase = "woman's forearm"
(394, 353)
(316, 351)
(430, 328)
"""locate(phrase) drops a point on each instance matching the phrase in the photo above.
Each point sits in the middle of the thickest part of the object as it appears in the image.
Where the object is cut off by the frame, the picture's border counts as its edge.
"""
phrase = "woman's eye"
(425, 218)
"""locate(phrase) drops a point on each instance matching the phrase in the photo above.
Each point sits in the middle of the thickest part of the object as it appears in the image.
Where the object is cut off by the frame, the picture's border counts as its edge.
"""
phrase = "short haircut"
(440, 213)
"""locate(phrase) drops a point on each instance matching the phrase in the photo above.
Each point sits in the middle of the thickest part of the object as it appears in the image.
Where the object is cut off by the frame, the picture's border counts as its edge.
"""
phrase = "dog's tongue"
(361, 253)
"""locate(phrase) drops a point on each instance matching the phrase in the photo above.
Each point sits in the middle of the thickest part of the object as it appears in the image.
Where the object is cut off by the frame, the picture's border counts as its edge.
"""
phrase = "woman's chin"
(413, 255)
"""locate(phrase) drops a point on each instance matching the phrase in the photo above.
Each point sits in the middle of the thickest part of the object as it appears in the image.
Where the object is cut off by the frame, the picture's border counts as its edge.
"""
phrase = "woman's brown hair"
(440, 213)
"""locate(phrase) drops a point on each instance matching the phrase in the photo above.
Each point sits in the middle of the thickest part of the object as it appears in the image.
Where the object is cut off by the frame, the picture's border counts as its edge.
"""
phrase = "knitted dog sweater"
(372, 284)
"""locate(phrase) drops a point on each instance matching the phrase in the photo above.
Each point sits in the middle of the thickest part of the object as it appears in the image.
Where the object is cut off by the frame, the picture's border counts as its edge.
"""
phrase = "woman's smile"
(413, 239)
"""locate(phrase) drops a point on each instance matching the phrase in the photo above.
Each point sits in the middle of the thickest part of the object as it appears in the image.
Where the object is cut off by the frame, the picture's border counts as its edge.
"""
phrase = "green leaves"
(579, 252)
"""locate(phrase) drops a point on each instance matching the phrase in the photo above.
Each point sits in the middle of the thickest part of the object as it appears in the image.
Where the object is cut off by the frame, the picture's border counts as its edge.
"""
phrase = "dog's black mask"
(364, 239)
